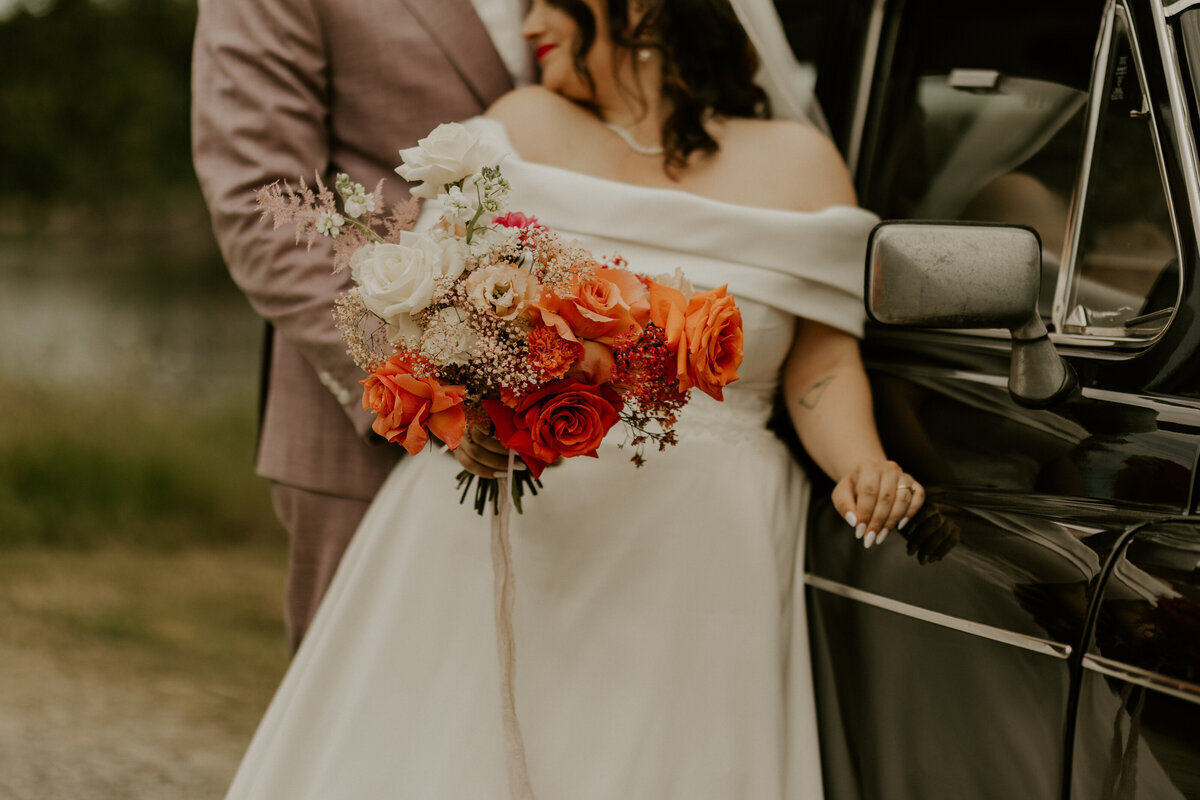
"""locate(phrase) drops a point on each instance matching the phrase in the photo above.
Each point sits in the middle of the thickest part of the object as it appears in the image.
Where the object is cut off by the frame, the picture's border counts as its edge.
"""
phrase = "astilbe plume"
(643, 368)
(302, 207)
(309, 209)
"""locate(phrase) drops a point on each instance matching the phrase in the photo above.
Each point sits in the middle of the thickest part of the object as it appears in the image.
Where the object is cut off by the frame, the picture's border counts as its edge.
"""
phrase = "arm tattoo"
(812, 397)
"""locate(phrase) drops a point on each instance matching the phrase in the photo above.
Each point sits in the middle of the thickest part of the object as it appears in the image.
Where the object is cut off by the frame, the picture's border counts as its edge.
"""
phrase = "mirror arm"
(1038, 375)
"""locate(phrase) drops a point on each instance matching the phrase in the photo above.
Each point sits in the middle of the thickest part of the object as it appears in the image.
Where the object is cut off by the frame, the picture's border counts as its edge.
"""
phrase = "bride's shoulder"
(538, 121)
(798, 164)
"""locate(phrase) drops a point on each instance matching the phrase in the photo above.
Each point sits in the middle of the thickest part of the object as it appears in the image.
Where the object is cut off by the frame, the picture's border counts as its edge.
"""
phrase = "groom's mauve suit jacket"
(285, 88)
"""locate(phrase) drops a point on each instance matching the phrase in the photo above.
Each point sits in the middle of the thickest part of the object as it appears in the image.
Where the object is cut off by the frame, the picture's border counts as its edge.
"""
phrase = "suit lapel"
(456, 28)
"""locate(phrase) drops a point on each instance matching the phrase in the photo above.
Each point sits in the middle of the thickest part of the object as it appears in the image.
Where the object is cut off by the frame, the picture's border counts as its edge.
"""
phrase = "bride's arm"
(829, 402)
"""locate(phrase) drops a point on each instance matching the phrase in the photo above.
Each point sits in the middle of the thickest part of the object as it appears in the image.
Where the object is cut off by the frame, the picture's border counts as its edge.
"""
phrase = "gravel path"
(72, 733)
(111, 689)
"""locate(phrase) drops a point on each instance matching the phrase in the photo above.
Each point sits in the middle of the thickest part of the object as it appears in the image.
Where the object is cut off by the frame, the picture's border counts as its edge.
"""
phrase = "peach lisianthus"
(502, 290)
(408, 407)
(705, 332)
(611, 303)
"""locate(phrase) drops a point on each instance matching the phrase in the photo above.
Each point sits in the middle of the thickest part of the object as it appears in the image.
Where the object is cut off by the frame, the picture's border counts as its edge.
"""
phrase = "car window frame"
(1069, 270)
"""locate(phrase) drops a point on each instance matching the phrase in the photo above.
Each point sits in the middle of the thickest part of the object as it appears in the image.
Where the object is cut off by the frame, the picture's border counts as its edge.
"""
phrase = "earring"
(644, 54)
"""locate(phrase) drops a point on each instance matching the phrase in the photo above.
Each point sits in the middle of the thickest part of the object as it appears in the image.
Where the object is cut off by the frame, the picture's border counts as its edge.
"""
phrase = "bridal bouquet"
(488, 318)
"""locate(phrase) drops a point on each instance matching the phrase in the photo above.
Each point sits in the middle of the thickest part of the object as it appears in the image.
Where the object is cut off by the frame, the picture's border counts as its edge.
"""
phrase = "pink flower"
(515, 219)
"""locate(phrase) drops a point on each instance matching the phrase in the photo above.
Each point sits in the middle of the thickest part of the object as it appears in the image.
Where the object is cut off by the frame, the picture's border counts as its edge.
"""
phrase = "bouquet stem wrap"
(504, 595)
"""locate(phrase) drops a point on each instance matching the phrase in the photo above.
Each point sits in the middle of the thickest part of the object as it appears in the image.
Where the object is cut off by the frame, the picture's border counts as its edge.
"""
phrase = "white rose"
(447, 155)
(398, 279)
(403, 329)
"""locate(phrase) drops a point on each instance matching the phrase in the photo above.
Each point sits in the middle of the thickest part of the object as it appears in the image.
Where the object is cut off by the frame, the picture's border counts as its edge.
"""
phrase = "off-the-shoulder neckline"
(500, 127)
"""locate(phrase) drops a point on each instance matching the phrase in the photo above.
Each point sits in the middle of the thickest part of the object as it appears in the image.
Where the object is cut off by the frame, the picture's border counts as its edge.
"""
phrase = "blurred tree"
(94, 102)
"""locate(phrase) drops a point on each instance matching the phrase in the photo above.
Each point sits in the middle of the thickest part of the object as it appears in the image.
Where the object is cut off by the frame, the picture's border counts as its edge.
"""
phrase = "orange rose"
(714, 335)
(705, 334)
(614, 302)
(565, 418)
(407, 404)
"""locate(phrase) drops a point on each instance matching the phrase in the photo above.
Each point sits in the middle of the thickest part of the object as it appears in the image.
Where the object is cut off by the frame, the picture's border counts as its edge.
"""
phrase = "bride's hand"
(876, 498)
(482, 455)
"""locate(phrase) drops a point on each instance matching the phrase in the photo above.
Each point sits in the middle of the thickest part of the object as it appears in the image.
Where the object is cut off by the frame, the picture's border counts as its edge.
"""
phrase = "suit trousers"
(320, 526)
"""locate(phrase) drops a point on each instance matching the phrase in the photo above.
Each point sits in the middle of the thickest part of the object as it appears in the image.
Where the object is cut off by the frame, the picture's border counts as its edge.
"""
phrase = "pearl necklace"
(634, 145)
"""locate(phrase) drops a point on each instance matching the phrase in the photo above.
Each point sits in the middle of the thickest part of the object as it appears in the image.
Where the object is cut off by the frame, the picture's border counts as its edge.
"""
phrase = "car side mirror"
(969, 275)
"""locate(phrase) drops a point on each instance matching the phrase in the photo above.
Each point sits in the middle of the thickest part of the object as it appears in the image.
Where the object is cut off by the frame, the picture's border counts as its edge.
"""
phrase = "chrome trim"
(1179, 7)
(1066, 269)
(1031, 643)
(866, 82)
(1179, 105)
(1167, 55)
(1135, 675)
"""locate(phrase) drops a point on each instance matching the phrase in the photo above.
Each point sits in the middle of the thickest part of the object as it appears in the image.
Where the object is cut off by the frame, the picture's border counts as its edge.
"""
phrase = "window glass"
(1189, 35)
(1126, 277)
(829, 39)
(979, 115)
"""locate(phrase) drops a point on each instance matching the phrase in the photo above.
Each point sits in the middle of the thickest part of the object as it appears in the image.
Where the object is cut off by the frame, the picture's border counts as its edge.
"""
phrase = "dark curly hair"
(708, 64)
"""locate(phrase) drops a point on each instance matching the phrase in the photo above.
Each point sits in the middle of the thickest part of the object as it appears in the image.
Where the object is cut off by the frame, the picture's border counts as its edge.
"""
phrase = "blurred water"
(76, 333)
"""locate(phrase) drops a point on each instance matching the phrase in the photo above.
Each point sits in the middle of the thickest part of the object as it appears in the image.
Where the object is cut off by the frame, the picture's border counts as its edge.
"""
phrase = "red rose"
(565, 418)
(407, 404)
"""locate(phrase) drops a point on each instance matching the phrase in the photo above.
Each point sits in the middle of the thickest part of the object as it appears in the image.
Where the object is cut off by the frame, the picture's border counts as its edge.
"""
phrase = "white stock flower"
(330, 223)
(358, 204)
(397, 280)
(448, 339)
(447, 155)
(460, 207)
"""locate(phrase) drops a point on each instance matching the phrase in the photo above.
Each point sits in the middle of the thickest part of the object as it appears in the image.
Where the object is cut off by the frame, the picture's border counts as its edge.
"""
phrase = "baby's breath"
(365, 335)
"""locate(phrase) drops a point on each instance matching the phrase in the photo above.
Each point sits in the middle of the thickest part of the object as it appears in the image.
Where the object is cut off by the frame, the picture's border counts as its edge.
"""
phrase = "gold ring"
(903, 486)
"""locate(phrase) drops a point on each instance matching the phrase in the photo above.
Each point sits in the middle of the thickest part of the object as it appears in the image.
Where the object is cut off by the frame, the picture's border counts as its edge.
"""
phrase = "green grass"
(79, 471)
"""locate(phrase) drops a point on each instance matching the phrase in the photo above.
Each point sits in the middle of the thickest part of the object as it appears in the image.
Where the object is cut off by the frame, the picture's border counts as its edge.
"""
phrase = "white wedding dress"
(661, 646)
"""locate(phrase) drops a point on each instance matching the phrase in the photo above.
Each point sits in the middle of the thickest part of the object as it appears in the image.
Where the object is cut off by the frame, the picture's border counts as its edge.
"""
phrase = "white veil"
(788, 83)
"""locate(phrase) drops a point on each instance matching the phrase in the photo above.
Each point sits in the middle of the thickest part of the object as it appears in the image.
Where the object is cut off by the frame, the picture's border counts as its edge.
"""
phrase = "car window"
(979, 115)
(1125, 280)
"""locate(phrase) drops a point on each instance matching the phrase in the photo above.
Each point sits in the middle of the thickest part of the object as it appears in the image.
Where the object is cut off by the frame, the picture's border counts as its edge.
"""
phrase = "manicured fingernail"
(859, 530)
(869, 540)
(903, 522)
(851, 518)
(882, 535)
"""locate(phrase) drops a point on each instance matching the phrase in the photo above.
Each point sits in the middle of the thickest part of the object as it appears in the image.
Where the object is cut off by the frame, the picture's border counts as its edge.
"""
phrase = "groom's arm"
(260, 109)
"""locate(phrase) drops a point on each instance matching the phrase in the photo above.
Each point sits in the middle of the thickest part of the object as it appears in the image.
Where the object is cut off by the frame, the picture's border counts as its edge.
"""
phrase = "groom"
(283, 88)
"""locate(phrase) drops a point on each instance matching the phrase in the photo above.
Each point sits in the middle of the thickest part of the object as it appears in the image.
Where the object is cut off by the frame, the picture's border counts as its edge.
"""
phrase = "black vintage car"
(1035, 632)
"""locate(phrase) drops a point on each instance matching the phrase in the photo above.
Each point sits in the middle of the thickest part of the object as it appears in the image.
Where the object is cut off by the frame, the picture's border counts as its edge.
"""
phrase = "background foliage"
(95, 102)
(129, 429)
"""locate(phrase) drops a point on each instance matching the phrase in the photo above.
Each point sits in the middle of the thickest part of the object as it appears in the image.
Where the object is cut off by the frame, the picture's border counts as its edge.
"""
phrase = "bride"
(659, 619)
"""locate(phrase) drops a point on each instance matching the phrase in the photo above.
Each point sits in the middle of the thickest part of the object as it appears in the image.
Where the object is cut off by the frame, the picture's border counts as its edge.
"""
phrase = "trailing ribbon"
(519, 787)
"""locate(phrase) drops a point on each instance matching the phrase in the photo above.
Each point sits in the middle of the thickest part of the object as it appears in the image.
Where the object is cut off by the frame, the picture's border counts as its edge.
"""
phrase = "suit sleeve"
(260, 113)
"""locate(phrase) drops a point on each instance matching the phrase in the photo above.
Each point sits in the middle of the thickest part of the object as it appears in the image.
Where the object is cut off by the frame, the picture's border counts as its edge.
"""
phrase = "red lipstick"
(543, 50)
